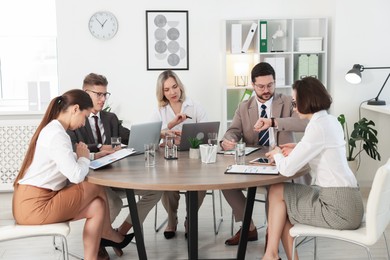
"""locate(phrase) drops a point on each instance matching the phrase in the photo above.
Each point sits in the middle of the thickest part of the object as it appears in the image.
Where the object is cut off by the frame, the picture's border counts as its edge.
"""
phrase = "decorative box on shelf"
(309, 44)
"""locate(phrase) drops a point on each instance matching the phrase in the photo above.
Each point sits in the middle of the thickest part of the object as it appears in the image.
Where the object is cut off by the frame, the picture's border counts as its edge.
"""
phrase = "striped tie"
(264, 135)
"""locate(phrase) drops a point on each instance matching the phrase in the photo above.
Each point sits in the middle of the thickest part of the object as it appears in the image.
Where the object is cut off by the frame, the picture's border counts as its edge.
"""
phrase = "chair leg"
(387, 247)
(64, 249)
(216, 228)
(155, 220)
(293, 247)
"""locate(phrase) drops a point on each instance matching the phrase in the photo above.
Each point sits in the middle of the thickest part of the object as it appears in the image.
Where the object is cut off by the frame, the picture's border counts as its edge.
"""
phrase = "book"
(249, 38)
(247, 94)
(252, 169)
(108, 159)
(263, 36)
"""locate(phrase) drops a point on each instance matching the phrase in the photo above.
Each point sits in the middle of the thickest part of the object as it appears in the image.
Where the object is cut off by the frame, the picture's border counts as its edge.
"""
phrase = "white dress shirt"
(54, 161)
(91, 120)
(323, 147)
(189, 107)
(268, 111)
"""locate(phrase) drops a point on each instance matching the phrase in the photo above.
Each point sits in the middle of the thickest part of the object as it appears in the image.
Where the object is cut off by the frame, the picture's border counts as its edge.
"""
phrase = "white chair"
(13, 231)
(376, 219)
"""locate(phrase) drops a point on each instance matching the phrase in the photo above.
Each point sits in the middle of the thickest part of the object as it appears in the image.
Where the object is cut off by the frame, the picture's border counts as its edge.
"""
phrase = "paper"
(96, 164)
(248, 150)
(252, 169)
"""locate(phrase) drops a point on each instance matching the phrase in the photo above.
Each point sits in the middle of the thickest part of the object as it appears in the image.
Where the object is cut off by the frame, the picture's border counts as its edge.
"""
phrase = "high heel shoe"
(170, 234)
(106, 242)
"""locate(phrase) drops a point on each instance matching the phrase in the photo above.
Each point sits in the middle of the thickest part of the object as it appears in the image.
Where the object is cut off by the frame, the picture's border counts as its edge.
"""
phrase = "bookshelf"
(299, 47)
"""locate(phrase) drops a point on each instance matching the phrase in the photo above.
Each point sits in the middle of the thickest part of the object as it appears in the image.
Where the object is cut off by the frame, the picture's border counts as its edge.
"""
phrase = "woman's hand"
(287, 148)
(82, 150)
(104, 153)
(276, 150)
(179, 118)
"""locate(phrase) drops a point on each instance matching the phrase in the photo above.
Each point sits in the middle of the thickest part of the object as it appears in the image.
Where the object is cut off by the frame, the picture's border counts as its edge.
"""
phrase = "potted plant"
(363, 138)
(194, 147)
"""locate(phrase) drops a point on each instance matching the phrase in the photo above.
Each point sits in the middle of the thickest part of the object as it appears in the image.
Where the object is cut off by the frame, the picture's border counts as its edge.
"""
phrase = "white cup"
(240, 153)
(116, 141)
(150, 155)
(208, 153)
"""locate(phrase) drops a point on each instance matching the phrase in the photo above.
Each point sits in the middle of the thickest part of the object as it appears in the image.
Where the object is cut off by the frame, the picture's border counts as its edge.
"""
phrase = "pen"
(188, 117)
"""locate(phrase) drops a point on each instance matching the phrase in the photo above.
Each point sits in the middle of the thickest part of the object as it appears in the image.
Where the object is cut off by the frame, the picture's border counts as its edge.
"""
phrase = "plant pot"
(194, 153)
(354, 166)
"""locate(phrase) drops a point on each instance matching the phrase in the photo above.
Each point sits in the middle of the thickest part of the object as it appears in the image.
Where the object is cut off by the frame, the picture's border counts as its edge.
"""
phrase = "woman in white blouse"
(334, 200)
(174, 109)
(50, 186)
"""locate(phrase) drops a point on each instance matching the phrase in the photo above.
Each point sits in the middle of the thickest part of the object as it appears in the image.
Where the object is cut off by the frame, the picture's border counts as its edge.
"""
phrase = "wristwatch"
(99, 146)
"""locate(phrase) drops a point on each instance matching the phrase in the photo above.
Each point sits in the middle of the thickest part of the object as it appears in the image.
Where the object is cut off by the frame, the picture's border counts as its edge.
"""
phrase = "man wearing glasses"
(99, 127)
(266, 119)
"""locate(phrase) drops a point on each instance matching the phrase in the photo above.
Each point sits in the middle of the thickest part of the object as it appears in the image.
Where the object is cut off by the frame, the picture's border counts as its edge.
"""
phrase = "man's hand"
(287, 148)
(228, 144)
(82, 150)
(262, 124)
(107, 147)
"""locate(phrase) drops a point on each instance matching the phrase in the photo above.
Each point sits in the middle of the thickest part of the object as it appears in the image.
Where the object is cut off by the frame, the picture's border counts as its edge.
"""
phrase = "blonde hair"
(161, 99)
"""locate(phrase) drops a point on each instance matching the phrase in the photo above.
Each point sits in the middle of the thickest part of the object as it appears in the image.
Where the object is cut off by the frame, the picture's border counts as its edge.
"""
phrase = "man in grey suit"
(266, 119)
(99, 127)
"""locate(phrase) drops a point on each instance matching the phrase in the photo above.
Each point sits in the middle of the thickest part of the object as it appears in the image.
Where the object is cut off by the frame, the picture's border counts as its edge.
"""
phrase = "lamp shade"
(354, 76)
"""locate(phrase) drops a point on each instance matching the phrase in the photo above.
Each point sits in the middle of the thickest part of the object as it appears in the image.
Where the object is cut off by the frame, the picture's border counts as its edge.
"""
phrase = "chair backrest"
(378, 204)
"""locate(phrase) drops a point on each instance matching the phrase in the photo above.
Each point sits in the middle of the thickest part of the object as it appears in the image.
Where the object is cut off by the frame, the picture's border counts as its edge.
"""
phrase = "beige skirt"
(34, 206)
(335, 207)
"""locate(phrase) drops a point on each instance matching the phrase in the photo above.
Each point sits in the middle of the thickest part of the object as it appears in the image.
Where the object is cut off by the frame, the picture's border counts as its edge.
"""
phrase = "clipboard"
(252, 169)
(108, 159)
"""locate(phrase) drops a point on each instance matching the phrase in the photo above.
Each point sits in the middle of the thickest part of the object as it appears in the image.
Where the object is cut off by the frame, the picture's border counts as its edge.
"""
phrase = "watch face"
(103, 25)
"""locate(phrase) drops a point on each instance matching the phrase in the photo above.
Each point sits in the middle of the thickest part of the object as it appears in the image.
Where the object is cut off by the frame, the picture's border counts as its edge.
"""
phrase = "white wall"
(358, 34)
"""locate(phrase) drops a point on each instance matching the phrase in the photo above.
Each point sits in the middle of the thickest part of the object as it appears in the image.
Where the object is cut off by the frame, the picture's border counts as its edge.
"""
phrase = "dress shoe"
(186, 228)
(124, 243)
(170, 234)
(252, 236)
(102, 254)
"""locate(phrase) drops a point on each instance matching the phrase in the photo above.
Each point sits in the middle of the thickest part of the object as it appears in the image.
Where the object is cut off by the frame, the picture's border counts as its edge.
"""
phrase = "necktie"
(98, 134)
(264, 135)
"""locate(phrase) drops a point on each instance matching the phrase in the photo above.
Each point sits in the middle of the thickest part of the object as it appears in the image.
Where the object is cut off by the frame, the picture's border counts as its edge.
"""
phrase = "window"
(28, 54)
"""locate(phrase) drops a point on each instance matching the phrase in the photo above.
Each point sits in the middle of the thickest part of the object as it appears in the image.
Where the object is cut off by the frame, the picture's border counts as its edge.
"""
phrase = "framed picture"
(167, 40)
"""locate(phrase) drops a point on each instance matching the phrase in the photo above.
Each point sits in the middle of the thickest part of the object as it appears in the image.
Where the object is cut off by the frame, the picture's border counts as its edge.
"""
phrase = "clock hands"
(104, 23)
(99, 22)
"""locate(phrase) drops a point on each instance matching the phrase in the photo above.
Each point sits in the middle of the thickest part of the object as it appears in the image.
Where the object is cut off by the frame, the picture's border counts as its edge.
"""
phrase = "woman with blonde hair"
(174, 109)
(50, 186)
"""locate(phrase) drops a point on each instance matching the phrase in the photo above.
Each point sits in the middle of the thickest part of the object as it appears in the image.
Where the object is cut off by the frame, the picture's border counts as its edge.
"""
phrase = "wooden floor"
(210, 245)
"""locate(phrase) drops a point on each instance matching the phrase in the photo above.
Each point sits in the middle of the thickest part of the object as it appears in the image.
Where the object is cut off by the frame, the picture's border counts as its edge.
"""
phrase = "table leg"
(136, 224)
(250, 199)
(192, 218)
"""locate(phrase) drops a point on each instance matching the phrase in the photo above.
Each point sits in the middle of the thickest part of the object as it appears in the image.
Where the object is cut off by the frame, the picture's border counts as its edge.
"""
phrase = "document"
(248, 150)
(98, 163)
(252, 169)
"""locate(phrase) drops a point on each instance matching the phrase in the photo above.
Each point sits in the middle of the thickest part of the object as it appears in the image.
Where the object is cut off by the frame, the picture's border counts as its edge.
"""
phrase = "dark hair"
(311, 96)
(94, 79)
(262, 69)
(56, 106)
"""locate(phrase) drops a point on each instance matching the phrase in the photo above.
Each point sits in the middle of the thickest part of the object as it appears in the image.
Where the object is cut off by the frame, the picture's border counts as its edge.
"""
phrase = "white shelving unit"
(283, 47)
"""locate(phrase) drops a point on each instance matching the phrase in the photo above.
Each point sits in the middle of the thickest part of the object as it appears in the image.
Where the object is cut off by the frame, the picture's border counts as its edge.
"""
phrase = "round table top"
(181, 174)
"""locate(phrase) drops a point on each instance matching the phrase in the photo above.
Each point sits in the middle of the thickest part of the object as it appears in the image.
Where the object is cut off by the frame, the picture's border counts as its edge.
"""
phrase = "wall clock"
(103, 25)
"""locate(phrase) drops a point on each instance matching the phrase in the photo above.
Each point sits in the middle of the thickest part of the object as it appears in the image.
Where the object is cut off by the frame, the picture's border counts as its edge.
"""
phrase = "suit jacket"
(247, 114)
(111, 125)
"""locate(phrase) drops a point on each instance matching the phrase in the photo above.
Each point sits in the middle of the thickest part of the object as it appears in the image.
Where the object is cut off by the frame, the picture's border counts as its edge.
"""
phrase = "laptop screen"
(198, 130)
(145, 133)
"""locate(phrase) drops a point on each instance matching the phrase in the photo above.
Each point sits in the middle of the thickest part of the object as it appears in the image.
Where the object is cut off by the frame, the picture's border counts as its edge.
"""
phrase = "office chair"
(216, 226)
(377, 219)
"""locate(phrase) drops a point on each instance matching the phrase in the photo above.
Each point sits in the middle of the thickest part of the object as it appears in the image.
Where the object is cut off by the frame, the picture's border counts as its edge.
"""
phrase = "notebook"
(248, 150)
(252, 169)
(198, 130)
(145, 133)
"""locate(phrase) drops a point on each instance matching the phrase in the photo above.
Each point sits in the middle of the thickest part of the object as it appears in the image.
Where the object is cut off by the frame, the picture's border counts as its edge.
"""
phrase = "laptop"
(145, 133)
(198, 130)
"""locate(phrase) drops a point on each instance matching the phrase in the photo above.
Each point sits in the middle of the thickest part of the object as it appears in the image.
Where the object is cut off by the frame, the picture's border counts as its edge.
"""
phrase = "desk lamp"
(354, 76)
(241, 74)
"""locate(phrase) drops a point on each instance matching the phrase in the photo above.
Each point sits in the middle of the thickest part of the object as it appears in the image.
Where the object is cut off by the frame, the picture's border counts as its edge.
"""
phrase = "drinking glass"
(212, 138)
(240, 153)
(150, 155)
(170, 150)
(115, 142)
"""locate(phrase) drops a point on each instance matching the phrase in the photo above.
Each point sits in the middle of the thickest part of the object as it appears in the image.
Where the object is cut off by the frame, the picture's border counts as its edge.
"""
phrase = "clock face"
(103, 25)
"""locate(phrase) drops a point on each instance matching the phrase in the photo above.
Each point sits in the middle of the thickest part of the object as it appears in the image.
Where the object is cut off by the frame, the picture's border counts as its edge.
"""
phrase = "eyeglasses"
(294, 104)
(262, 87)
(100, 94)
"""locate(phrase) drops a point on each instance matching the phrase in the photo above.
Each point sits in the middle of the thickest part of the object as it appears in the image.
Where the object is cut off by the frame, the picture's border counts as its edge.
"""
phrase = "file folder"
(249, 38)
(278, 63)
(303, 66)
(236, 42)
(313, 65)
(263, 36)
(247, 94)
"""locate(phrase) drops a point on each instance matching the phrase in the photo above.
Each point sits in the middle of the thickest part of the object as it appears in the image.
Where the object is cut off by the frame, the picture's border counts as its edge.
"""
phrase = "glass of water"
(150, 155)
(115, 142)
(212, 138)
(240, 153)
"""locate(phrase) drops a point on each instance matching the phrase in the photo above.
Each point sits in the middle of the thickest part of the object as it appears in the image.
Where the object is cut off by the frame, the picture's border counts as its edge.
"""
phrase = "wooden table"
(186, 174)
